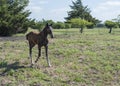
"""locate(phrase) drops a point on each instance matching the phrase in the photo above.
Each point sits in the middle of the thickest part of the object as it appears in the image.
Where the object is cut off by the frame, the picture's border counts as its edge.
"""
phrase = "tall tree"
(13, 16)
(80, 11)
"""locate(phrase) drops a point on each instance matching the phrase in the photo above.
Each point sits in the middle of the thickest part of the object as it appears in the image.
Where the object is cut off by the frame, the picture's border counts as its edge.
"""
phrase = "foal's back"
(33, 37)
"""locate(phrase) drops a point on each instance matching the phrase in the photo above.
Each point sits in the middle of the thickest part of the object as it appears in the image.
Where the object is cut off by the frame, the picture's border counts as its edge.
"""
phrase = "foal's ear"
(47, 24)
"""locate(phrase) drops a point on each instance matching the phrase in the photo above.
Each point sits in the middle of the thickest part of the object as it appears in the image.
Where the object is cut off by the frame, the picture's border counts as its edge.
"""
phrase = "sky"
(56, 10)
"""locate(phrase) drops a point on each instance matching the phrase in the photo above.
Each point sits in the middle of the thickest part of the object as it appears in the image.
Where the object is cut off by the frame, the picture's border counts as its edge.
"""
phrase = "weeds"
(88, 59)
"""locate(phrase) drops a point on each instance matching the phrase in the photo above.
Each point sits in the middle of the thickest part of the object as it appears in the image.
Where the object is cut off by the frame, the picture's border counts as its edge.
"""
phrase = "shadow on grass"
(8, 67)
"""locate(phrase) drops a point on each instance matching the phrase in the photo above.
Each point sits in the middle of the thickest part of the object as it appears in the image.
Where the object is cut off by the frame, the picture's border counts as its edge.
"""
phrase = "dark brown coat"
(41, 40)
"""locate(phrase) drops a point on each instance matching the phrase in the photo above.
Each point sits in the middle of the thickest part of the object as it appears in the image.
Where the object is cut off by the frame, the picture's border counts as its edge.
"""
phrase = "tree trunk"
(81, 30)
(110, 30)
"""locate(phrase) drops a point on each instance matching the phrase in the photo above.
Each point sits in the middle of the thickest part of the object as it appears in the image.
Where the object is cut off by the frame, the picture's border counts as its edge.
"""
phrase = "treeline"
(79, 17)
(73, 23)
(56, 25)
(14, 18)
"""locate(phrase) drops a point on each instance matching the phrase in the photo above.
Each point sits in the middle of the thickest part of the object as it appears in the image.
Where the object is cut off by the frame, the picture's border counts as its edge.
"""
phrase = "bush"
(100, 25)
(67, 26)
(59, 25)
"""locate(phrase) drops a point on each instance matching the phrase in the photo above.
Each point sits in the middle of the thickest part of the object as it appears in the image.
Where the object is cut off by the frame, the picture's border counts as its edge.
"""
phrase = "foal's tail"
(27, 36)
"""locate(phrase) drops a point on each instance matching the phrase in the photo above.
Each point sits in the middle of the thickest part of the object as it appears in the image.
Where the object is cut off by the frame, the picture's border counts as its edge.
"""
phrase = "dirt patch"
(15, 38)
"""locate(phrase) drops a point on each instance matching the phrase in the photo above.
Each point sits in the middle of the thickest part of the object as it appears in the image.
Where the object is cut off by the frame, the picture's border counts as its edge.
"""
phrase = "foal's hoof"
(49, 65)
(36, 61)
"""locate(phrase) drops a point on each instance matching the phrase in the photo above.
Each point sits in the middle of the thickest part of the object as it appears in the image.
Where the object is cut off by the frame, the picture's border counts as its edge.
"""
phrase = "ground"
(88, 59)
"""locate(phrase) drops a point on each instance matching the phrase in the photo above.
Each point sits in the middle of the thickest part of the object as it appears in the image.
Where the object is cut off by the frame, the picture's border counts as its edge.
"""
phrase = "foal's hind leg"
(39, 53)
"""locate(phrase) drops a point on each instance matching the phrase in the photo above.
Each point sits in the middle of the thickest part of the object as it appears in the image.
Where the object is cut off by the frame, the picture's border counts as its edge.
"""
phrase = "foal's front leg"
(31, 45)
(48, 61)
(39, 53)
(30, 55)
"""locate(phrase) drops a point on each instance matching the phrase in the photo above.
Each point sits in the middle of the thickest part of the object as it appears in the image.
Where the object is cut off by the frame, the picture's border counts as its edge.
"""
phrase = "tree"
(78, 23)
(90, 25)
(80, 11)
(13, 17)
(110, 25)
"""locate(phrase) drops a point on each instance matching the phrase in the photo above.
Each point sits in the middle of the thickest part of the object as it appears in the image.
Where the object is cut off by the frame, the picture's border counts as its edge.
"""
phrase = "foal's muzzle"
(52, 36)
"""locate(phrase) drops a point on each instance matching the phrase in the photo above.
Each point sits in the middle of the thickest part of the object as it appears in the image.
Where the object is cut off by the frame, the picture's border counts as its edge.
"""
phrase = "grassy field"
(88, 59)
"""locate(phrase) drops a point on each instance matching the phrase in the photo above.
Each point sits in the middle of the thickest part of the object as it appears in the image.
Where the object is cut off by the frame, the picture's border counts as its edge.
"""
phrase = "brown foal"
(41, 40)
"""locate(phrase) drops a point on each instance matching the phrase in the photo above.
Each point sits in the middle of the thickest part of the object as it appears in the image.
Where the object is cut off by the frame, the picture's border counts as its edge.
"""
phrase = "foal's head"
(48, 28)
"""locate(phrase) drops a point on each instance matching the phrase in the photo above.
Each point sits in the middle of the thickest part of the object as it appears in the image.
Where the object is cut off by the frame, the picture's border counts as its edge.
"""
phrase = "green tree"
(80, 11)
(90, 25)
(13, 17)
(110, 25)
(78, 23)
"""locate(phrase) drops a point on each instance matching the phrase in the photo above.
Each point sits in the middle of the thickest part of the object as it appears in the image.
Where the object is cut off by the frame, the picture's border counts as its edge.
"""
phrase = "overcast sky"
(57, 9)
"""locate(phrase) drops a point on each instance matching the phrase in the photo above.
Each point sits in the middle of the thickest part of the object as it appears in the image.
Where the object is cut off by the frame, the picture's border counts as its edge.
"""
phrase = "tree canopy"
(110, 25)
(13, 16)
(79, 23)
(78, 10)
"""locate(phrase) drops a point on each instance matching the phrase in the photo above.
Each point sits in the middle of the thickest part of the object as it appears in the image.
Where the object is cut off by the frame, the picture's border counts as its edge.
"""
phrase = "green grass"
(88, 59)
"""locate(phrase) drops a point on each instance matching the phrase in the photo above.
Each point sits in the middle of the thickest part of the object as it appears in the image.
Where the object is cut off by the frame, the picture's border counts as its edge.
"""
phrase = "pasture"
(88, 59)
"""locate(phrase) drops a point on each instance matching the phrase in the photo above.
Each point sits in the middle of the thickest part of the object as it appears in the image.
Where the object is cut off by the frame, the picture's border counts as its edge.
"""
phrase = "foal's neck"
(44, 33)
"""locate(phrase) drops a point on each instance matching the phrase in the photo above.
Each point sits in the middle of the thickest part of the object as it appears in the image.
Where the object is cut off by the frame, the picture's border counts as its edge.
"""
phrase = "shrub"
(67, 25)
(59, 25)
